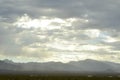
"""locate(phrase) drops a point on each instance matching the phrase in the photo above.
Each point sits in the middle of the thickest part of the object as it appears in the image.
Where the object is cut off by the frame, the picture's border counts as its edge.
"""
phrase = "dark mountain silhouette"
(85, 66)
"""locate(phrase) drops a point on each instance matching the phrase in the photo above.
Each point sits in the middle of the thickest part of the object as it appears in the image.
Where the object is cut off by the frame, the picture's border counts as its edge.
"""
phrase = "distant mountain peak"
(90, 60)
(8, 61)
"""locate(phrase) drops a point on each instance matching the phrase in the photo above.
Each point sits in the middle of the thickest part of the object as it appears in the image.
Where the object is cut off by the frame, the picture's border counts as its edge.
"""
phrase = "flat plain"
(56, 77)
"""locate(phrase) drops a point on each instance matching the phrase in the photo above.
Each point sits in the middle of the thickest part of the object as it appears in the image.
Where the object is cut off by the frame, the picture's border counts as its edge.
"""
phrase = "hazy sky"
(60, 30)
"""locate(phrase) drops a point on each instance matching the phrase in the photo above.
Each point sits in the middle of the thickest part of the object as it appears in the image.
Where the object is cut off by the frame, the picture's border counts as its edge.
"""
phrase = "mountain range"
(80, 67)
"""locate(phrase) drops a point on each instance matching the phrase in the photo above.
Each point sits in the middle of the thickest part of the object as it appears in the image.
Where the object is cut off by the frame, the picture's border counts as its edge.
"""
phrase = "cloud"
(47, 23)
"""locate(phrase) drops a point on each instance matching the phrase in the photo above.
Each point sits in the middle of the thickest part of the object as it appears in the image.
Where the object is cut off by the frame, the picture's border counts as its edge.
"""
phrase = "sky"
(60, 30)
